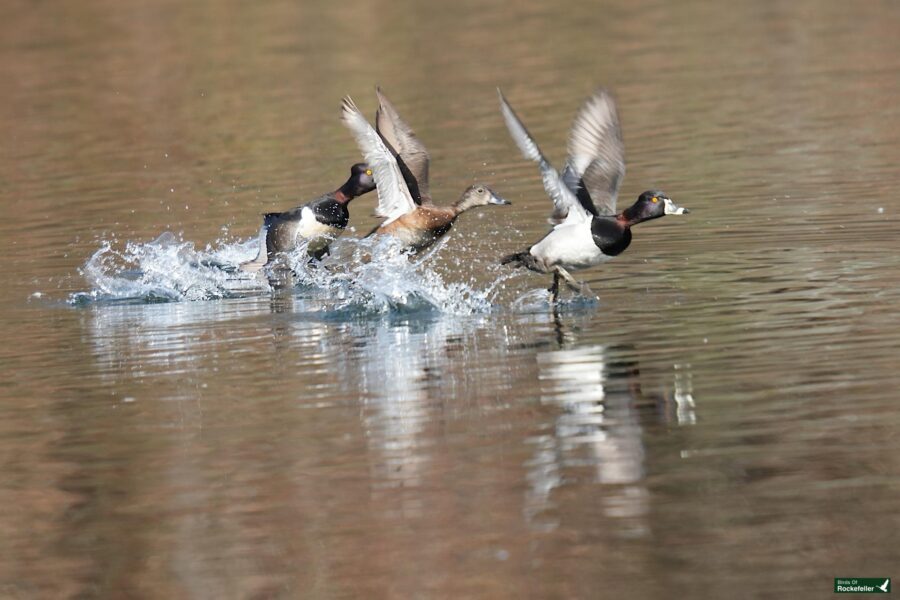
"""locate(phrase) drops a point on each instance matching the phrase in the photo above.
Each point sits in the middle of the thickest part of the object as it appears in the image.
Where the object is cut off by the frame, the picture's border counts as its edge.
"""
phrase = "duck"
(587, 230)
(400, 163)
(319, 221)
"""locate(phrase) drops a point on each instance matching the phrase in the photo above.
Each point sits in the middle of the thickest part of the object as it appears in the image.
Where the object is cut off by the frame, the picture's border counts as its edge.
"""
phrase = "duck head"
(652, 204)
(360, 182)
(478, 195)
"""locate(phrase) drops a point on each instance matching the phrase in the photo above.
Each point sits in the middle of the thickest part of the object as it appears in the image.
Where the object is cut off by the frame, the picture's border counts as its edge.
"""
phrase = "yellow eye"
(654, 199)
(368, 171)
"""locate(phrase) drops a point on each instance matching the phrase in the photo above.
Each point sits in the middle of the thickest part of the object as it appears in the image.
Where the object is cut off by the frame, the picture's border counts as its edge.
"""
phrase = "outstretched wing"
(596, 164)
(394, 199)
(565, 202)
(412, 155)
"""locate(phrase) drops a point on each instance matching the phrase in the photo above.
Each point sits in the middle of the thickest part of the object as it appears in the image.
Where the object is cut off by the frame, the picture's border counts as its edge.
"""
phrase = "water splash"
(539, 301)
(377, 275)
(164, 270)
(363, 276)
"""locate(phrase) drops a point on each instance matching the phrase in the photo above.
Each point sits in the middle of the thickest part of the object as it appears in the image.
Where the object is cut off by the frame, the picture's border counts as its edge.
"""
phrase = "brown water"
(722, 422)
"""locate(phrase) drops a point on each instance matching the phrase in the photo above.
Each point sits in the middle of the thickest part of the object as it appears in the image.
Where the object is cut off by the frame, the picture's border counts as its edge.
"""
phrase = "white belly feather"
(308, 228)
(283, 235)
(570, 246)
(317, 235)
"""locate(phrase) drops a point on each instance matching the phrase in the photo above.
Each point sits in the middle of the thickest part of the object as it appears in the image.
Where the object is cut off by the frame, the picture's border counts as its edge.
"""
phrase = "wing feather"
(399, 137)
(565, 202)
(596, 163)
(394, 198)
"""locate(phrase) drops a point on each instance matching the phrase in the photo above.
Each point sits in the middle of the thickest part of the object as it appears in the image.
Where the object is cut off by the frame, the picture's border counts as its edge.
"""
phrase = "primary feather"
(565, 202)
(400, 137)
(394, 198)
(596, 163)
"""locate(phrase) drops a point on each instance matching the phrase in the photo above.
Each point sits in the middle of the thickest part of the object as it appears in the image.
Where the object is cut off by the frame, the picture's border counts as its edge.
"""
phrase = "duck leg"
(554, 288)
(573, 284)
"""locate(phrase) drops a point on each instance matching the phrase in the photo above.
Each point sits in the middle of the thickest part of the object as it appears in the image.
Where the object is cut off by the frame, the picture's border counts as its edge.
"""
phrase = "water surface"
(720, 422)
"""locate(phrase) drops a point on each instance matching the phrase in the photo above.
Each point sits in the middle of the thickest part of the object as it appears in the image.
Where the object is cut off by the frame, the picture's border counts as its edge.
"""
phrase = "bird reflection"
(281, 301)
(684, 395)
(405, 371)
(599, 427)
(396, 408)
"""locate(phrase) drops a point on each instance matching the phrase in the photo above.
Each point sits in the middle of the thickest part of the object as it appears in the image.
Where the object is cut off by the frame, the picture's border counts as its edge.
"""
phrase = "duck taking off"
(319, 221)
(586, 230)
(400, 164)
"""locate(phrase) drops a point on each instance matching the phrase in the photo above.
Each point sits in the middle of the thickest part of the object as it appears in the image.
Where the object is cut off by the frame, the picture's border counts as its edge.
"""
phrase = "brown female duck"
(400, 165)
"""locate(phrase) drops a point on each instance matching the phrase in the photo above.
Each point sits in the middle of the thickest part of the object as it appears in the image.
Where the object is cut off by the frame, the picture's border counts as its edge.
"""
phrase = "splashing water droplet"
(363, 276)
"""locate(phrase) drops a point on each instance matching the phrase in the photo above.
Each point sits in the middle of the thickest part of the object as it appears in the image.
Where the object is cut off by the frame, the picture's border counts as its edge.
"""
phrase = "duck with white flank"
(400, 164)
(318, 222)
(587, 230)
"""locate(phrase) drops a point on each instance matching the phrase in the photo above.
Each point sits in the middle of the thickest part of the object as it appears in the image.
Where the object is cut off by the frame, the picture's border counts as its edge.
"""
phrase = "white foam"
(368, 275)
(168, 268)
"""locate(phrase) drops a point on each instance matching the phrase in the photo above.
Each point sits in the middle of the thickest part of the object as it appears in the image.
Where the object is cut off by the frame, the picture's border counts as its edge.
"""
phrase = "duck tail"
(523, 259)
(519, 258)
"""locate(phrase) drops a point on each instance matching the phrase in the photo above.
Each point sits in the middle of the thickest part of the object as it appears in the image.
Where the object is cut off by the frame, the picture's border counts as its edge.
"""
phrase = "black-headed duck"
(400, 164)
(319, 221)
(587, 230)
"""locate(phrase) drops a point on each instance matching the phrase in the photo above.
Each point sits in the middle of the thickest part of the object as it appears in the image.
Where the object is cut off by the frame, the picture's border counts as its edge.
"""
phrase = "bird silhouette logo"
(884, 586)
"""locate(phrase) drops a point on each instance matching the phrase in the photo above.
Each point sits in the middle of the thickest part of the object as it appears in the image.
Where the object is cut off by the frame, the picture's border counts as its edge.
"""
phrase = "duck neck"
(630, 216)
(464, 203)
(348, 191)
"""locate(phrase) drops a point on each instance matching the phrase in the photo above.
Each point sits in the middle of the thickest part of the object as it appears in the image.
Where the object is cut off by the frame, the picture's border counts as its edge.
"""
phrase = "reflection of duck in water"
(587, 230)
(319, 221)
(396, 364)
(409, 372)
(598, 427)
(603, 408)
(600, 412)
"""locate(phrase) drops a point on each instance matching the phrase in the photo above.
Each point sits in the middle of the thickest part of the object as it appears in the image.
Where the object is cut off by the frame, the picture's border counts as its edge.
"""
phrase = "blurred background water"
(722, 422)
